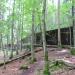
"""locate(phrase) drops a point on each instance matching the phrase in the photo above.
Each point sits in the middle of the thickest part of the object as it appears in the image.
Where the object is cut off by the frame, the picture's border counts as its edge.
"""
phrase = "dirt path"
(31, 70)
(39, 64)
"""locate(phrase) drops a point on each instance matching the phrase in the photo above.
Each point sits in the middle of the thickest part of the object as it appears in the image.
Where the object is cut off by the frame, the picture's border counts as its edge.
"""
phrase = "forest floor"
(13, 67)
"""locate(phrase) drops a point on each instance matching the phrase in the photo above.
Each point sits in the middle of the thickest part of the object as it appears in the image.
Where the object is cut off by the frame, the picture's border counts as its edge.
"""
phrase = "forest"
(37, 37)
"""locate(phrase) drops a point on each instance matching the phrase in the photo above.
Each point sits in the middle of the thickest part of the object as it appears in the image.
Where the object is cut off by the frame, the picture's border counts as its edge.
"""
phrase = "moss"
(23, 67)
(46, 72)
(56, 65)
(32, 61)
(46, 69)
(72, 51)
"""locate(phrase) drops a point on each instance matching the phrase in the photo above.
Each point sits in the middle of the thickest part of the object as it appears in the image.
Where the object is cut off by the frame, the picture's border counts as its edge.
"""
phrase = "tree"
(12, 32)
(32, 37)
(59, 32)
(2, 48)
(73, 19)
(2, 27)
(43, 26)
(31, 10)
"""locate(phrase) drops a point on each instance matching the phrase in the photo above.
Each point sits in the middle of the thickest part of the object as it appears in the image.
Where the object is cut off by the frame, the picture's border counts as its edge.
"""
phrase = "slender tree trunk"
(35, 38)
(40, 29)
(9, 34)
(73, 19)
(7, 45)
(12, 42)
(70, 36)
(18, 30)
(40, 35)
(32, 38)
(3, 52)
(43, 26)
(17, 41)
(22, 9)
(58, 20)
(20, 26)
(12, 33)
(0, 42)
(21, 36)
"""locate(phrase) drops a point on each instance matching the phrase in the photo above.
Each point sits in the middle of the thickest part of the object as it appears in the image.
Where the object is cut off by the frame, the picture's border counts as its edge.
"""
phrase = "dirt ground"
(13, 67)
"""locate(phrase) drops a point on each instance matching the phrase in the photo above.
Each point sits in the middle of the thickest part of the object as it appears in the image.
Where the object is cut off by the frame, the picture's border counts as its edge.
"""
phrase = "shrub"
(23, 67)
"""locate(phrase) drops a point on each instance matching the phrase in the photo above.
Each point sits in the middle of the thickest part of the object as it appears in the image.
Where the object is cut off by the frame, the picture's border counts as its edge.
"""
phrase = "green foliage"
(22, 15)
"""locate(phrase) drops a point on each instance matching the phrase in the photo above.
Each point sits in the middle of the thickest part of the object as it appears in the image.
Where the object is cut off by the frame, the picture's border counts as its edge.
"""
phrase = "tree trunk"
(43, 26)
(12, 41)
(58, 20)
(0, 41)
(22, 9)
(7, 45)
(20, 25)
(17, 40)
(12, 33)
(70, 36)
(40, 30)
(73, 19)
(32, 38)
(3, 52)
